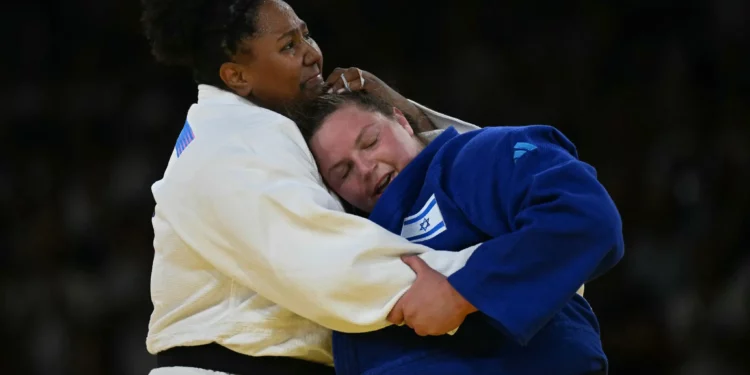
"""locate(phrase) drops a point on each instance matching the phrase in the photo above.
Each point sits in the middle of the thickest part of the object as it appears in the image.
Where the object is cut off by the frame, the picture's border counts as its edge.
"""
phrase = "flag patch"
(425, 224)
(186, 136)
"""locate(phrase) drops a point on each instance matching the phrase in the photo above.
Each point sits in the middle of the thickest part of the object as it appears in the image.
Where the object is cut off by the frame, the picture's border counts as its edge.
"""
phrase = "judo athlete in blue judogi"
(546, 225)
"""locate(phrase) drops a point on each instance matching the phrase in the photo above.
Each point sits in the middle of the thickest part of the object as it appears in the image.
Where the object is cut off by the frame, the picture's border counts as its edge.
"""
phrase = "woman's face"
(281, 63)
(359, 152)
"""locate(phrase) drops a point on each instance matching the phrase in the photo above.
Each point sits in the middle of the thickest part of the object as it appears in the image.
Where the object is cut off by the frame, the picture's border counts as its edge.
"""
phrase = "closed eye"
(372, 143)
(343, 171)
(346, 173)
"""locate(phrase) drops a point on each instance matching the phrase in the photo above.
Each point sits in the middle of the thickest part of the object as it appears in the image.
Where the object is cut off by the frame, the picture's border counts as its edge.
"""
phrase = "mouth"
(313, 80)
(383, 183)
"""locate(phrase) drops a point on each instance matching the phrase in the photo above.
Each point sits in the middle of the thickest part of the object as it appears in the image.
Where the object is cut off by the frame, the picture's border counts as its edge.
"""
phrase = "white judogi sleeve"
(442, 121)
(247, 198)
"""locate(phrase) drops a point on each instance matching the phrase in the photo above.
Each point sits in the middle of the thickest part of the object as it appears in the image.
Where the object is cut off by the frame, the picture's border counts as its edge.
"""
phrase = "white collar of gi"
(213, 94)
(430, 135)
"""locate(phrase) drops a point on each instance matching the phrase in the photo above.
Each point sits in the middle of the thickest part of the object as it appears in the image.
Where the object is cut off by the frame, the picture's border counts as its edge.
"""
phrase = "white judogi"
(254, 253)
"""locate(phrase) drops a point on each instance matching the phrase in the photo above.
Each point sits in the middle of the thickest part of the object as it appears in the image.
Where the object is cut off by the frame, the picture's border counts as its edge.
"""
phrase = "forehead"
(276, 17)
(341, 128)
(349, 120)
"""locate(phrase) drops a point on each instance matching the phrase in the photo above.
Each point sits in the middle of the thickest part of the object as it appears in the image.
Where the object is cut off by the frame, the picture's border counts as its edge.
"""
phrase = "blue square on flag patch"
(186, 136)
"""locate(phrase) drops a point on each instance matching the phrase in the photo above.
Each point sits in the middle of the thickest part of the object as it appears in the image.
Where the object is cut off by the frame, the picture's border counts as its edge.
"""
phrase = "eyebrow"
(357, 141)
(362, 133)
(292, 31)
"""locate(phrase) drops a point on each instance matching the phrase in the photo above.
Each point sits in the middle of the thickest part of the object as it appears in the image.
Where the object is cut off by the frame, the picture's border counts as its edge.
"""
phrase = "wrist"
(466, 306)
(421, 122)
(462, 303)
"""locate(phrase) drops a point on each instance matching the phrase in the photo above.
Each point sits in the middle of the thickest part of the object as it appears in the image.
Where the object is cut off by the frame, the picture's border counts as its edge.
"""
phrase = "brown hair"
(310, 115)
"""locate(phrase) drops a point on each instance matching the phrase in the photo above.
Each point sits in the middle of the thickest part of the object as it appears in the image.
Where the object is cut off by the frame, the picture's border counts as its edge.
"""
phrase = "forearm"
(413, 112)
(522, 280)
(442, 121)
(425, 119)
(554, 229)
(348, 286)
(338, 270)
(422, 121)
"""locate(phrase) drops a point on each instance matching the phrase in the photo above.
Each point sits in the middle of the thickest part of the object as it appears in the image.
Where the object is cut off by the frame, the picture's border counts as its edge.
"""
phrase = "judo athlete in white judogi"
(254, 253)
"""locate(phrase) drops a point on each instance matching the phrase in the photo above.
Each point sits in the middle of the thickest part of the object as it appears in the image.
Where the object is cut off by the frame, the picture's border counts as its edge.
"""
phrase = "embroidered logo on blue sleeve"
(186, 136)
(520, 149)
(425, 224)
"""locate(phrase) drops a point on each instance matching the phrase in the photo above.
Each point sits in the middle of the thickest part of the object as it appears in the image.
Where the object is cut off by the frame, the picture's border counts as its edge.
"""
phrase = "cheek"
(279, 74)
(403, 159)
(288, 68)
(351, 191)
(346, 194)
(401, 152)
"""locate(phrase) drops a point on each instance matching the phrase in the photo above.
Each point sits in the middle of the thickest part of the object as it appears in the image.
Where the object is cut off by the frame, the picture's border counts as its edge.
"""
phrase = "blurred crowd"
(655, 94)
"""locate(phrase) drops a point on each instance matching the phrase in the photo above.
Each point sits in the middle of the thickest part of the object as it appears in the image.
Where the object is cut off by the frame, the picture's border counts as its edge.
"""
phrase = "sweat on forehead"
(276, 17)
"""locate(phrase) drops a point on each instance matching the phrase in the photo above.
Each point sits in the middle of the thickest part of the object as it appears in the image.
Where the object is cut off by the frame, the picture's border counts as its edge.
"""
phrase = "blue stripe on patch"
(424, 213)
(432, 231)
(186, 136)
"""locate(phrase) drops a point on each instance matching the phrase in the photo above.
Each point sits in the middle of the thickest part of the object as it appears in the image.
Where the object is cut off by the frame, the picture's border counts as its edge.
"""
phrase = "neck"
(428, 136)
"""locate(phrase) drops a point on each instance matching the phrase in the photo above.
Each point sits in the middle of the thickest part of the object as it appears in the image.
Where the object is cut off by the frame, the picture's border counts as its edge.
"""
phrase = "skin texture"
(359, 152)
(431, 307)
(264, 53)
(280, 63)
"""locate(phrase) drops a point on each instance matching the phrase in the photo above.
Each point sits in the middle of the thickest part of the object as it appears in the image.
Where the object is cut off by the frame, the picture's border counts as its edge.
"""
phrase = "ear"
(236, 78)
(401, 119)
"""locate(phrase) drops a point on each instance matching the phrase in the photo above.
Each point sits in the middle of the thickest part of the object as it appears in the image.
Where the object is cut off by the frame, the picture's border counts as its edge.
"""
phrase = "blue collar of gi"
(404, 189)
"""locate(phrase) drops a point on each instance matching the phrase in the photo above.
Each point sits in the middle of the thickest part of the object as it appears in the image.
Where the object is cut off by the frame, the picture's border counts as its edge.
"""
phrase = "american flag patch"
(186, 136)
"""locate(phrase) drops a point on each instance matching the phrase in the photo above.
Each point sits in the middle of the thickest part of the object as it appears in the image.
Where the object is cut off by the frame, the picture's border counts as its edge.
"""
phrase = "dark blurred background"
(656, 94)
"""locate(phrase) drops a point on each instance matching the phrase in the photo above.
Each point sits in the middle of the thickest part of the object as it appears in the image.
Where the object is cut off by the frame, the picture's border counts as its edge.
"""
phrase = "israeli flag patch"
(425, 224)
(186, 136)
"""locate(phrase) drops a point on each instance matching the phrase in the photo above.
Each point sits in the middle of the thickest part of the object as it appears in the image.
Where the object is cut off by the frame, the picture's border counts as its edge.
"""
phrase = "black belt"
(215, 357)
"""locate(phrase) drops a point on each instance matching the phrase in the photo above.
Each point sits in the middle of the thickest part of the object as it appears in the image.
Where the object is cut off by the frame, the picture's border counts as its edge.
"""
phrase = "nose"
(313, 56)
(366, 168)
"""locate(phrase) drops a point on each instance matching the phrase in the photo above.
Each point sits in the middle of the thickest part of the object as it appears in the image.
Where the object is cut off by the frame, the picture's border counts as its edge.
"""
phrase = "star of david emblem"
(424, 224)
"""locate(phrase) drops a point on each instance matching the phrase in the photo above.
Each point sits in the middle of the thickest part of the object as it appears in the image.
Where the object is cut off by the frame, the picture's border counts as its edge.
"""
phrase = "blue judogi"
(547, 227)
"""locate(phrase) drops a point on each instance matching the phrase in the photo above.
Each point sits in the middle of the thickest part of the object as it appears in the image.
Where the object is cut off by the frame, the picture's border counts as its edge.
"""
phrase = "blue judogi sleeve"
(552, 225)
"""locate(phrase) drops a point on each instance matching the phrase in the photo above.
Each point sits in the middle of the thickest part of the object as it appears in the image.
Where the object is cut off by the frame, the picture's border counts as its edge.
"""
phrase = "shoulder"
(241, 121)
(490, 157)
(251, 131)
(227, 118)
(237, 151)
(503, 145)
(513, 137)
(242, 142)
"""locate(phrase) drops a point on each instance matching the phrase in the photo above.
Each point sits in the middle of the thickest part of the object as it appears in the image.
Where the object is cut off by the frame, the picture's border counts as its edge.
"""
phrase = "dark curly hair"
(199, 34)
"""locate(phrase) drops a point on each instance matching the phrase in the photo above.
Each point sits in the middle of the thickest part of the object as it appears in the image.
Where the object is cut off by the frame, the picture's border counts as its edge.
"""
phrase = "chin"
(354, 210)
(314, 92)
